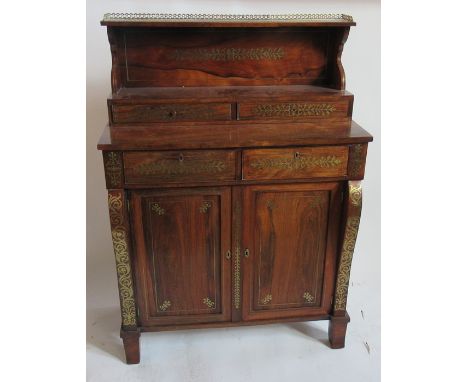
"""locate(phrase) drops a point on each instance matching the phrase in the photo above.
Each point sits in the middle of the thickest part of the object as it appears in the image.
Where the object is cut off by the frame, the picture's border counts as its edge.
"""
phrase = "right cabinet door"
(290, 238)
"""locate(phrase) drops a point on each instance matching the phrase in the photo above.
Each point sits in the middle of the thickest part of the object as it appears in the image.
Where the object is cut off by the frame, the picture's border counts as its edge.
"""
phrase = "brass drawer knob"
(228, 254)
(246, 252)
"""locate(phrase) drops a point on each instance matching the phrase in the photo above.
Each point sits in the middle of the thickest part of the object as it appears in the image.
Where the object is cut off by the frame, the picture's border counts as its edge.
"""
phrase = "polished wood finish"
(256, 104)
(181, 240)
(300, 162)
(233, 167)
(131, 341)
(228, 135)
(294, 110)
(290, 233)
(162, 56)
(337, 331)
(143, 167)
(170, 112)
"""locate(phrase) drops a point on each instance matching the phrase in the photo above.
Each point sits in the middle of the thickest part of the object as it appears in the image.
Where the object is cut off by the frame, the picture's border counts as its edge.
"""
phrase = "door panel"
(181, 237)
(289, 231)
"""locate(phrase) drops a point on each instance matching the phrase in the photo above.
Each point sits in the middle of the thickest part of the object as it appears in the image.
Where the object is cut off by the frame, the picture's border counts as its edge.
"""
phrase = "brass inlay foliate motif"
(207, 301)
(317, 200)
(228, 54)
(113, 168)
(171, 113)
(355, 160)
(344, 269)
(271, 205)
(165, 305)
(355, 194)
(122, 259)
(237, 255)
(266, 300)
(308, 297)
(174, 168)
(303, 162)
(158, 209)
(349, 242)
(191, 17)
(205, 207)
(294, 110)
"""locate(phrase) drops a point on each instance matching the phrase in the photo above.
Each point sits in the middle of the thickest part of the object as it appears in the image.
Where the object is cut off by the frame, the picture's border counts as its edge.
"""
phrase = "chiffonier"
(233, 171)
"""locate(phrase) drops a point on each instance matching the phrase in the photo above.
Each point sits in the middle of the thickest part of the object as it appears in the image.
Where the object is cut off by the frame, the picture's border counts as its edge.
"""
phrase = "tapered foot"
(337, 331)
(131, 342)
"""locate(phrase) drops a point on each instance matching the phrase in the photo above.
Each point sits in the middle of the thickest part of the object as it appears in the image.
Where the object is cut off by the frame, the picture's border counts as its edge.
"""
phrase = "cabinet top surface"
(226, 135)
(225, 20)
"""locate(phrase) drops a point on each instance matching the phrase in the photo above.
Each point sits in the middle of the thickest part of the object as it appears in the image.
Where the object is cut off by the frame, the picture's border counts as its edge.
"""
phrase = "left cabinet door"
(182, 243)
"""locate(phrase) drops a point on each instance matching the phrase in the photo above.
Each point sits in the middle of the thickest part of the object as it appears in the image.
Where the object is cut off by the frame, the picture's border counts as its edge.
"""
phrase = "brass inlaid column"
(353, 206)
(120, 240)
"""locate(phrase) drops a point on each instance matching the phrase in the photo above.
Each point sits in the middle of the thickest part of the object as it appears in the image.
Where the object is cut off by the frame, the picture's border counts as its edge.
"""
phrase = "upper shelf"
(226, 20)
(162, 52)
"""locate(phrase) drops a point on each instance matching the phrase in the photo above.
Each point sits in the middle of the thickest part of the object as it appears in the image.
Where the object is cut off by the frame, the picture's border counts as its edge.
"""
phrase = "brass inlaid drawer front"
(295, 163)
(150, 167)
(293, 110)
(171, 112)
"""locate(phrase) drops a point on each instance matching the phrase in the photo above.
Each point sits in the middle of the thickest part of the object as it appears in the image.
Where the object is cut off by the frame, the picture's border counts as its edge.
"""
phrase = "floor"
(280, 352)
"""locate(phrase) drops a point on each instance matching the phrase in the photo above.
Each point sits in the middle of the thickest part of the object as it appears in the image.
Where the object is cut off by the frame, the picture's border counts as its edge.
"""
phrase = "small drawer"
(178, 166)
(297, 163)
(170, 112)
(295, 110)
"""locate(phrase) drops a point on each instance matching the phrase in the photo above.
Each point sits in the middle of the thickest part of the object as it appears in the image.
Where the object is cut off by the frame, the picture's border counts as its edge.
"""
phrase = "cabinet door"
(181, 240)
(290, 234)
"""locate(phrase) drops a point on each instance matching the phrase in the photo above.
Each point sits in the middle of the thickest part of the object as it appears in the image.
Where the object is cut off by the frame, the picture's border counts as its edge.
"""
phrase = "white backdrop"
(275, 352)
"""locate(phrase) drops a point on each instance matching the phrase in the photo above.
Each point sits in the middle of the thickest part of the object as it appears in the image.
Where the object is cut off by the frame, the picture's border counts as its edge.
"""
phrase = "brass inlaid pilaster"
(354, 203)
(122, 259)
(113, 168)
(357, 161)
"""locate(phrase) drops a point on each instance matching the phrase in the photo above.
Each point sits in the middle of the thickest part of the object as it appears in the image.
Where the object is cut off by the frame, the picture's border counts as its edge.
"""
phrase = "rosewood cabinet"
(233, 171)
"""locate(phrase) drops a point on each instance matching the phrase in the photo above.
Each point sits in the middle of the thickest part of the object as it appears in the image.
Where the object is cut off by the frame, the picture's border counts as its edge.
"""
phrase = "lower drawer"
(141, 167)
(295, 163)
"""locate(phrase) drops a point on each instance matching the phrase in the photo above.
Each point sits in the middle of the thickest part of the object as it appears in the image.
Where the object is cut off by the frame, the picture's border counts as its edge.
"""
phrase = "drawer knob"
(246, 252)
(181, 157)
(228, 254)
(172, 114)
(297, 155)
